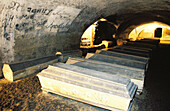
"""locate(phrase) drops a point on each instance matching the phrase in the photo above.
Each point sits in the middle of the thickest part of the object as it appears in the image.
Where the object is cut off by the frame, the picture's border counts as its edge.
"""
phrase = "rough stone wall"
(1, 8)
(33, 29)
(37, 28)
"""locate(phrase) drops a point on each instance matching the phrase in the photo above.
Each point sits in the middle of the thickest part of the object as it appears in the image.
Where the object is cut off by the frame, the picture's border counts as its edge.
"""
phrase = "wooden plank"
(136, 75)
(93, 87)
(121, 55)
(20, 70)
(117, 60)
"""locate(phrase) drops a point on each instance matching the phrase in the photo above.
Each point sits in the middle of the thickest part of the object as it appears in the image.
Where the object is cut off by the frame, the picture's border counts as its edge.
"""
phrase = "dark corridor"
(157, 80)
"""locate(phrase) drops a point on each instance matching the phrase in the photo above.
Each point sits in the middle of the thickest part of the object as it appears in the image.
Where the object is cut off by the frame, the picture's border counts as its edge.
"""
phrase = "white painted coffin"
(117, 60)
(136, 75)
(93, 87)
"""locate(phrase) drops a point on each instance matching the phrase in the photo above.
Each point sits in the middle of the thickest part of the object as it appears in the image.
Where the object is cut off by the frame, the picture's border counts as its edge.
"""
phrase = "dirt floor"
(26, 94)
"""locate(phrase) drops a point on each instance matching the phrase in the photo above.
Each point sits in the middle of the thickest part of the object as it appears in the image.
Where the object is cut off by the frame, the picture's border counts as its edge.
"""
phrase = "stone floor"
(26, 94)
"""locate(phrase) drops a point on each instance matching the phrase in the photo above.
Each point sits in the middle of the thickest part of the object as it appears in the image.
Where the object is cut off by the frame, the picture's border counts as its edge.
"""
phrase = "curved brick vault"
(38, 28)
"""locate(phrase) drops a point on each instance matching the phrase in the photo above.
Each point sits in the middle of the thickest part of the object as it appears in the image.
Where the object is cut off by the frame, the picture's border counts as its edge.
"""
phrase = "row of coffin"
(107, 79)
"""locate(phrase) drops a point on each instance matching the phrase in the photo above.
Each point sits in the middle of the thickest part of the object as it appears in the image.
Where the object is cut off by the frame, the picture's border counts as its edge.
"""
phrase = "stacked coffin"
(93, 87)
(129, 60)
(140, 48)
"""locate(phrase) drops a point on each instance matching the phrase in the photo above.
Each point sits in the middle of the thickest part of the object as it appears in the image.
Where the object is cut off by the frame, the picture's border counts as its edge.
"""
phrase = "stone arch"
(90, 11)
(100, 32)
(138, 19)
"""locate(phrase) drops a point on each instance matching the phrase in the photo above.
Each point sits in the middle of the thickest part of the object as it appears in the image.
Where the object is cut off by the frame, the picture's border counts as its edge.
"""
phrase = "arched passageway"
(153, 30)
(101, 32)
(155, 92)
(132, 26)
(41, 28)
(141, 19)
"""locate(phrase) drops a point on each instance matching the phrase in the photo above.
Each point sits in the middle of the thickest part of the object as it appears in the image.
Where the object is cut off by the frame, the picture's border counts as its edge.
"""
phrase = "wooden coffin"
(136, 75)
(93, 87)
(117, 60)
(20, 70)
